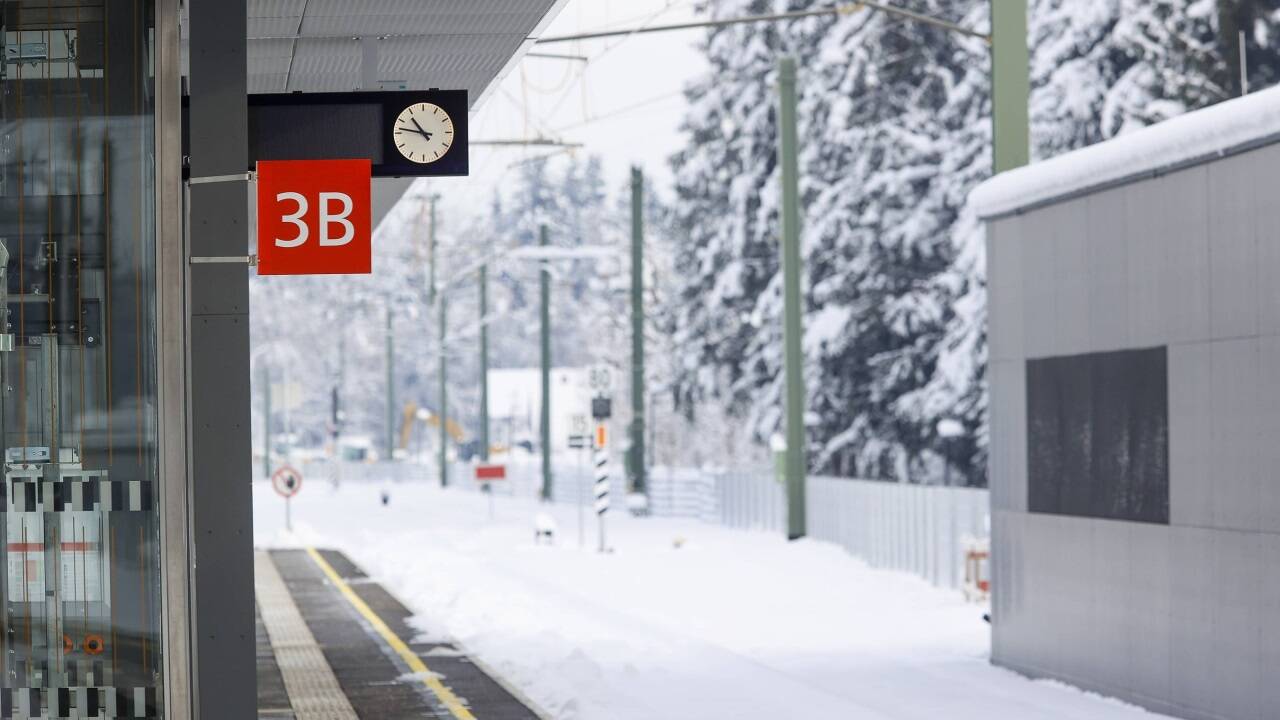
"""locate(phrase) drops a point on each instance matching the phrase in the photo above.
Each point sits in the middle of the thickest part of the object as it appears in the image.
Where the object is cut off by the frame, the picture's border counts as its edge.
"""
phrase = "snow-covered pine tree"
(880, 203)
(957, 388)
(569, 198)
(897, 123)
(1098, 70)
(728, 255)
(875, 221)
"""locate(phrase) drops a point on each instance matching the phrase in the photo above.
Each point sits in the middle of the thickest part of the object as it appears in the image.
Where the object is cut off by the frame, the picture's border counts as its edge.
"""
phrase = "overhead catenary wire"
(622, 110)
(834, 10)
(525, 142)
(843, 9)
(558, 56)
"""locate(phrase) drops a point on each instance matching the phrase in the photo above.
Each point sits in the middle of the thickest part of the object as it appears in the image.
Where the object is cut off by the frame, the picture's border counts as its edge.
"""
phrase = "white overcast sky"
(625, 104)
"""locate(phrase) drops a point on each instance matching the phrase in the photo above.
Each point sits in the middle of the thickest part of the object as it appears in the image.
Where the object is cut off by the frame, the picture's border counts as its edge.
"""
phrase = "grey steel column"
(221, 447)
(484, 363)
(791, 300)
(1010, 85)
(544, 287)
(639, 480)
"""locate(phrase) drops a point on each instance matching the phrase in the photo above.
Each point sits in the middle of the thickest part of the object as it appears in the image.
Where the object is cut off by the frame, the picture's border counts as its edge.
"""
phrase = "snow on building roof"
(1223, 129)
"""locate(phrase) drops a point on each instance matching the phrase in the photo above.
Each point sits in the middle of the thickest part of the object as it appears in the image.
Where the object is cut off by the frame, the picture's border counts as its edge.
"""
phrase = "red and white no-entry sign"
(286, 481)
(314, 217)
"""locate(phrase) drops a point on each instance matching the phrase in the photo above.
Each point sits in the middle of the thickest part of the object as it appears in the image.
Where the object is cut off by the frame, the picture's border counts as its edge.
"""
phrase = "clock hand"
(420, 132)
(424, 132)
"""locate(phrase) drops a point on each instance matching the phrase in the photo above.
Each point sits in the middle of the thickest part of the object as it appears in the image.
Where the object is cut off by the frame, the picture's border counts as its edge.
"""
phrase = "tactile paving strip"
(313, 690)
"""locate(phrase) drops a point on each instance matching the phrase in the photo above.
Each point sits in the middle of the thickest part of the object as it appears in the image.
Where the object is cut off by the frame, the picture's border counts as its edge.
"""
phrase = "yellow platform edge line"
(442, 692)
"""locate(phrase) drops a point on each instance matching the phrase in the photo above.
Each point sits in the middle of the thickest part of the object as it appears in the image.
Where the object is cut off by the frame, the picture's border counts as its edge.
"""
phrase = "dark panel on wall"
(1098, 435)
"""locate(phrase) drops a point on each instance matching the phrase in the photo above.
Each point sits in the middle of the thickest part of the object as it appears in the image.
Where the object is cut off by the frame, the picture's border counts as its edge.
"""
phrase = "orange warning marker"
(602, 435)
(67, 646)
(93, 644)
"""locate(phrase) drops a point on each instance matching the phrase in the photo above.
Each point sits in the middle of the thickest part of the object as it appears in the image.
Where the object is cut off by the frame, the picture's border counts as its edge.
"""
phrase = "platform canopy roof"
(343, 45)
(325, 45)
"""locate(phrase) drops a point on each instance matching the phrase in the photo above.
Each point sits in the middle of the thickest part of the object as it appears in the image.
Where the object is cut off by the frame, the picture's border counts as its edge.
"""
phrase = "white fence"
(913, 528)
(916, 528)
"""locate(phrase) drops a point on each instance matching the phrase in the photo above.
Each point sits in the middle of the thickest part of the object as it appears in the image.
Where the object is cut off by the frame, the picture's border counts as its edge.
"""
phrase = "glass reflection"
(77, 361)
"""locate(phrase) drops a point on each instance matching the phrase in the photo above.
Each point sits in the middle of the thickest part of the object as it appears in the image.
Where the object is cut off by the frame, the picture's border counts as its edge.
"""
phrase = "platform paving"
(365, 637)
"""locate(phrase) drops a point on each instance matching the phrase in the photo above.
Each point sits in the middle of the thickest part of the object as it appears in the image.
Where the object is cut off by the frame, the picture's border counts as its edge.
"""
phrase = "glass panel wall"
(81, 582)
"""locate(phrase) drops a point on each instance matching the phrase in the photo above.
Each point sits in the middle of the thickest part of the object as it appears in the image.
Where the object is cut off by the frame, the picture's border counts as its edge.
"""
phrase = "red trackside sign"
(314, 217)
(485, 473)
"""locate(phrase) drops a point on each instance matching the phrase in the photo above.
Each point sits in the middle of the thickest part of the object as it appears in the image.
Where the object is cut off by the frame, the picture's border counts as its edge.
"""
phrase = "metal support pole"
(600, 489)
(484, 363)
(266, 421)
(581, 486)
(336, 409)
(791, 300)
(431, 248)
(1010, 85)
(391, 388)
(639, 480)
(444, 396)
(1242, 44)
(544, 287)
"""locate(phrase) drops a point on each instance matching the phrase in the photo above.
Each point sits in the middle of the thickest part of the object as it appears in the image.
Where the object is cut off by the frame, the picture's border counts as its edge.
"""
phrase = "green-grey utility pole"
(336, 409)
(1010, 66)
(484, 363)
(444, 396)
(544, 287)
(431, 249)
(639, 480)
(266, 421)
(391, 387)
(337, 391)
(1010, 85)
(793, 359)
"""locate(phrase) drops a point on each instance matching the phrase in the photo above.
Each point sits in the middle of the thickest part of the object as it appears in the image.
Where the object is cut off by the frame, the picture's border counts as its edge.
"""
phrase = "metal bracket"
(250, 260)
(235, 177)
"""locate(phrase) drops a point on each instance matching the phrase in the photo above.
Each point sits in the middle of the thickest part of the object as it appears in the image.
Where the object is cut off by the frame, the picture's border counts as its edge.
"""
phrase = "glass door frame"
(172, 351)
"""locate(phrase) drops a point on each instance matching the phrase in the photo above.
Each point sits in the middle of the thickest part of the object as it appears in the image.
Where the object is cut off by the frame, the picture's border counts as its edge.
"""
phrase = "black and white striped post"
(601, 460)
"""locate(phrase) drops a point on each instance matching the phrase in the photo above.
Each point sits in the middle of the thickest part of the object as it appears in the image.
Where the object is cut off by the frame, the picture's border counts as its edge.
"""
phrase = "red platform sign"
(485, 473)
(314, 217)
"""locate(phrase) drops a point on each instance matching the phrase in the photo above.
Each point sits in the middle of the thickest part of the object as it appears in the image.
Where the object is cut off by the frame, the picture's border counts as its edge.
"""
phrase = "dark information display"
(410, 133)
(1098, 435)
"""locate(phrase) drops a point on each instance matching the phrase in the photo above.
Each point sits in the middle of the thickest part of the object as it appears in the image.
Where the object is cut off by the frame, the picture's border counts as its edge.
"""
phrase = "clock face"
(423, 132)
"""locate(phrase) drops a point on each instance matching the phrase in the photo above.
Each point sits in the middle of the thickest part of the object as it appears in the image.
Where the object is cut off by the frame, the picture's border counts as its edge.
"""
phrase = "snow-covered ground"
(682, 620)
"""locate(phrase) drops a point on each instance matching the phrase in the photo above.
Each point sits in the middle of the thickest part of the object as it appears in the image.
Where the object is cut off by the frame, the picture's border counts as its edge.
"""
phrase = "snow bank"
(1203, 134)
(683, 621)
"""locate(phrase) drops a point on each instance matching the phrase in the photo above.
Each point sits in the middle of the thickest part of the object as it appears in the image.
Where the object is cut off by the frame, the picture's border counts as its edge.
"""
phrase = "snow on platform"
(682, 620)
(1199, 135)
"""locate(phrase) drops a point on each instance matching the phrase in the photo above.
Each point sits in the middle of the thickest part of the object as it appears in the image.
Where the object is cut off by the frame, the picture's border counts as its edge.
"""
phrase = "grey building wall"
(1182, 618)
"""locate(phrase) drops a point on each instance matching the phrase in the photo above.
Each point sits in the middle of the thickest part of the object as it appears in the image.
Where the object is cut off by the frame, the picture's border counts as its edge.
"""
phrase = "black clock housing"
(337, 126)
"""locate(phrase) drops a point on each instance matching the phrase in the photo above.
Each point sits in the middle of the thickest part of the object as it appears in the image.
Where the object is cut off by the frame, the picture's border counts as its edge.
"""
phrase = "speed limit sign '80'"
(314, 217)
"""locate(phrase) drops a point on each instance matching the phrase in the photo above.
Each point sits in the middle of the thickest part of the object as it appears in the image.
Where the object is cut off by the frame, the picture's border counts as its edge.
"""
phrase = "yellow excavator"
(430, 419)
